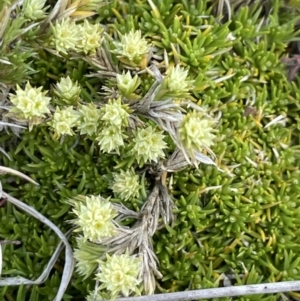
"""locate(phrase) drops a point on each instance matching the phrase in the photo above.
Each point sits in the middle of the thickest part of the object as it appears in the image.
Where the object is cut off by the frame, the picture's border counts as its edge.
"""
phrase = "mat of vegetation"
(164, 133)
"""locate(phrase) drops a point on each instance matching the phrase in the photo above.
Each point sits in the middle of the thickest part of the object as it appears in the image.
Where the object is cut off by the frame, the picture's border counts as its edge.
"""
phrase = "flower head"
(176, 80)
(90, 38)
(110, 138)
(86, 255)
(30, 102)
(114, 113)
(67, 91)
(132, 47)
(127, 84)
(197, 131)
(65, 35)
(89, 121)
(148, 145)
(64, 120)
(34, 9)
(119, 273)
(94, 217)
(126, 184)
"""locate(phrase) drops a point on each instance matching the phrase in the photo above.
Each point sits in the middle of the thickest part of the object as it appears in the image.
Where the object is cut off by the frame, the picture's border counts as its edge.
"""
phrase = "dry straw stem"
(65, 8)
(221, 5)
(4, 170)
(4, 16)
(139, 237)
(266, 288)
(58, 10)
(69, 262)
(11, 125)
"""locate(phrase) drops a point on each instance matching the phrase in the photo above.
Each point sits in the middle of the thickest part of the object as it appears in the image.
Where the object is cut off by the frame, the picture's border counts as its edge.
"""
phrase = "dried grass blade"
(16, 173)
(69, 262)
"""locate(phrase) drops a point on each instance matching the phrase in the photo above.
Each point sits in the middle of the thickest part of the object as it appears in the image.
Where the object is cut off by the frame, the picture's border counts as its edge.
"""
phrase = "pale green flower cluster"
(86, 255)
(112, 117)
(110, 138)
(197, 131)
(89, 119)
(119, 274)
(30, 102)
(65, 35)
(69, 36)
(94, 218)
(34, 9)
(115, 117)
(132, 47)
(67, 91)
(127, 84)
(176, 80)
(148, 145)
(64, 121)
(90, 37)
(115, 113)
(126, 184)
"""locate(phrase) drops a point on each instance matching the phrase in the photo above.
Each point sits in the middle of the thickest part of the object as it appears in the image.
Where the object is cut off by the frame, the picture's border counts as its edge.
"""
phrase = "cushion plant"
(164, 136)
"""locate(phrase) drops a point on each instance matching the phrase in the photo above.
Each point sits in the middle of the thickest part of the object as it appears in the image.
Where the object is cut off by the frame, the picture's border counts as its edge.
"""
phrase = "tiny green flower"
(114, 113)
(110, 138)
(197, 131)
(90, 37)
(126, 184)
(86, 255)
(67, 91)
(132, 47)
(119, 273)
(176, 80)
(34, 9)
(65, 35)
(127, 84)
(64, 120)
(94, 217)
(30, 102)
(148, 145)
(89, 119)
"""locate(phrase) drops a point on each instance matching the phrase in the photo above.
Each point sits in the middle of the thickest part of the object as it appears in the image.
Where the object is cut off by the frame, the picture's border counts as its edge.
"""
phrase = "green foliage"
(239, 220)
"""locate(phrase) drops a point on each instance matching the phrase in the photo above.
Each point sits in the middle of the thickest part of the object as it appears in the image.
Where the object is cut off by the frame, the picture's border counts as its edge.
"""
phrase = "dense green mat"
(237, 222)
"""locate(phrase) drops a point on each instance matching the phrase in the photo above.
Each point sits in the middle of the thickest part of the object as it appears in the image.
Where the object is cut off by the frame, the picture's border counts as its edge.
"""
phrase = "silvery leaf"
(204, 159)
